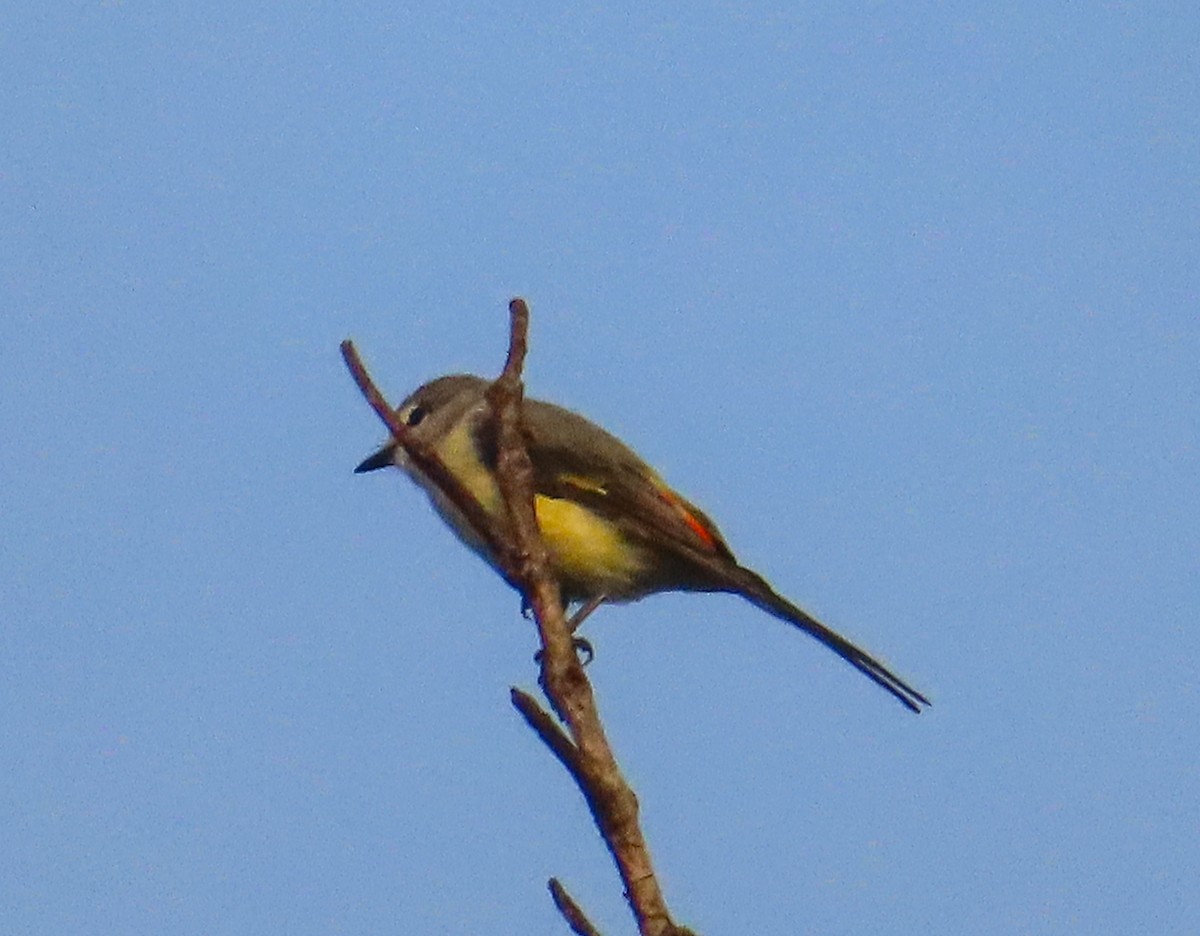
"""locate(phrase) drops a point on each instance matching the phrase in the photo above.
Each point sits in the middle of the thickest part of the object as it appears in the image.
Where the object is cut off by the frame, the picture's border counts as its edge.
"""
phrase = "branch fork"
(578, 739)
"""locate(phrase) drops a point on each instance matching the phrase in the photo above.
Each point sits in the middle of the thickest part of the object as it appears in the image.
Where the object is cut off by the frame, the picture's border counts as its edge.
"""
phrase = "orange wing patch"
(695, 524)
(709, 538)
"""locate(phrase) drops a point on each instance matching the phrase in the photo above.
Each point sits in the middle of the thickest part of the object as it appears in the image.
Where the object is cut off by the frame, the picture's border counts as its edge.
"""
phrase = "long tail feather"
(754, 588)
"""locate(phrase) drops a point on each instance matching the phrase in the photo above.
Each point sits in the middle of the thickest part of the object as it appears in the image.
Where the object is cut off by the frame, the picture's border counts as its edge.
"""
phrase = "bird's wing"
(576, 460)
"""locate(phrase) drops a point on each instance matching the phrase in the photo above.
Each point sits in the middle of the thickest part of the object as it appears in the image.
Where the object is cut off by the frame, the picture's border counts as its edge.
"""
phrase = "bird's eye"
(414, 416)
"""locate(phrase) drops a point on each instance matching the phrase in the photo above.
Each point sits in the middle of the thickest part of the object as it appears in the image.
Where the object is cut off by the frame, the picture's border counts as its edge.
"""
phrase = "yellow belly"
(590, 555)
(588, 552)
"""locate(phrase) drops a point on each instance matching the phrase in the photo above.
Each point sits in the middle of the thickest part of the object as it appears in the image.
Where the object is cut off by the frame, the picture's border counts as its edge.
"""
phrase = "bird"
(615, 531)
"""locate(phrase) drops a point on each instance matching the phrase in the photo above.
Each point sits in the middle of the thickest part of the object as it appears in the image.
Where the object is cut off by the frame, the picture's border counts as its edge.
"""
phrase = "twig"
(521, 556)
(609, 796)
(427, 460)
(580, 924)
(547, 729)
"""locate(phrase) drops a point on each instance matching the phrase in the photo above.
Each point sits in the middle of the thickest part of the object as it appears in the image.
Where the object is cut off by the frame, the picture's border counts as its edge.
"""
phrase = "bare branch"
(430, 464)
(518, 340)
(521, 556)
(547, 729)
(580, 924)
(608, 795)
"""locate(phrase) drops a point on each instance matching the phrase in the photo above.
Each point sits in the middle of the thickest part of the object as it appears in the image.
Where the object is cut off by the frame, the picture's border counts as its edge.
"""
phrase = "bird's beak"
(381, 459)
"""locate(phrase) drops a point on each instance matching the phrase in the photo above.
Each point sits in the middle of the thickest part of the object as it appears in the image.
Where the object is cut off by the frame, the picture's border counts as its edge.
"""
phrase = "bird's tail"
(754, 588)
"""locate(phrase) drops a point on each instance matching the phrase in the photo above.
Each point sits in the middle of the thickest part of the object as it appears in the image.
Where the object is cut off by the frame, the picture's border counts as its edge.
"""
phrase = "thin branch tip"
(571, 911)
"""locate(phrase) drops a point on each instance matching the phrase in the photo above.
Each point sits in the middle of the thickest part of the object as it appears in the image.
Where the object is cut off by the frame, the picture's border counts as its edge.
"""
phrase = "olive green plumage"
(614, 529)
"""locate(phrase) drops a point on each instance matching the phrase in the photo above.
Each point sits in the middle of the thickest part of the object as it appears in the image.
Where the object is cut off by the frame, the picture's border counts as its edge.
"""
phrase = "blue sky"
(904, 296)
